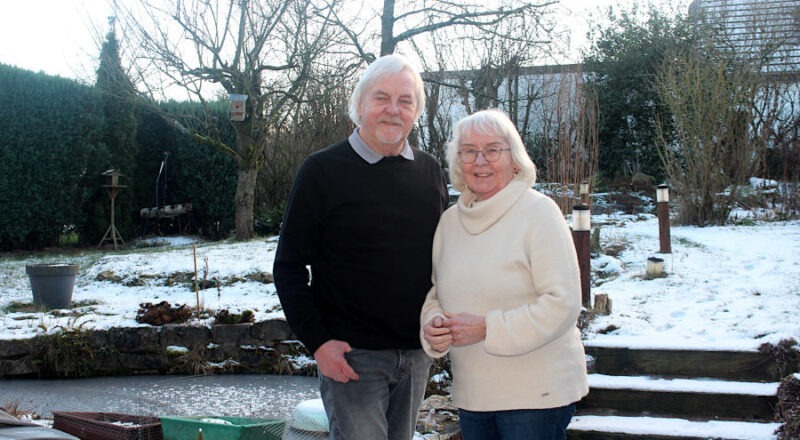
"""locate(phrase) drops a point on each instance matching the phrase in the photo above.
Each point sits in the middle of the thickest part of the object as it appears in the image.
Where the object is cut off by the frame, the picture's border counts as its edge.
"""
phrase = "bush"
(50, 155)
(269, 223)
(788, 409)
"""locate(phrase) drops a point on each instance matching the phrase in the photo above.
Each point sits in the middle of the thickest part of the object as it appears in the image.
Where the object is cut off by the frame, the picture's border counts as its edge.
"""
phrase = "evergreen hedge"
(51, 129)
(196, 174)
(52, 157)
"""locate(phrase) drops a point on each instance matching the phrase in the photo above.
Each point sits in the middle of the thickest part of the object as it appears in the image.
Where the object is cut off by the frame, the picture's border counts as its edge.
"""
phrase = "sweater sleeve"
(556, 301)
(297, 249)
(431, 308)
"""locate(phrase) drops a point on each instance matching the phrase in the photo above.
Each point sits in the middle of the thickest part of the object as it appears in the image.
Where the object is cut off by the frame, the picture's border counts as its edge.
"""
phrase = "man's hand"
(331, 362)
(438, 336)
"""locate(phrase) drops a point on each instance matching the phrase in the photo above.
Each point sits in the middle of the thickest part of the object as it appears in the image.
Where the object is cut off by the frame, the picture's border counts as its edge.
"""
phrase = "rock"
(438, 419)
(272, 330)
(108, 275)
(194, 337)
(180, 278)
(261, 277)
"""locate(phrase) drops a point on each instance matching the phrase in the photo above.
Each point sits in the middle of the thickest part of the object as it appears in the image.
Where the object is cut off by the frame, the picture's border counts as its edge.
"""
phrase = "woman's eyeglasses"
(470, 155)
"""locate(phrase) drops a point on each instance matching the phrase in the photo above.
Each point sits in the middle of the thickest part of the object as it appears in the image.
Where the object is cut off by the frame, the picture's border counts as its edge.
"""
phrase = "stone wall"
(267, 347)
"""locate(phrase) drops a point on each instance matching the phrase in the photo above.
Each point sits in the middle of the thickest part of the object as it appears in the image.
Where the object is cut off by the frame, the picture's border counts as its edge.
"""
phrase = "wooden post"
(602, 304)
(662, 211)
(581, 225)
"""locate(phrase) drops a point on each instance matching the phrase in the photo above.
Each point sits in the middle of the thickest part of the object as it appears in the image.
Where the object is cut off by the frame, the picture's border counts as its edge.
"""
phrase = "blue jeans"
(519, 424)
(383, 403)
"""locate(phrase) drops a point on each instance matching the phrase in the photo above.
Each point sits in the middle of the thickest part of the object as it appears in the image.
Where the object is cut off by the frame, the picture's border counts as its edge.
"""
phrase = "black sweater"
(365, 231)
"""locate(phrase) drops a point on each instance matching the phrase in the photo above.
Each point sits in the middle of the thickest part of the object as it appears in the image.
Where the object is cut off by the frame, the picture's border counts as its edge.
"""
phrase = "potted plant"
(52, 284)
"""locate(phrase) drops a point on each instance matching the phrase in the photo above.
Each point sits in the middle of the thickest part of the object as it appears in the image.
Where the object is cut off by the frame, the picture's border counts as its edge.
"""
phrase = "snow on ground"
(729, 287)
(726, 287)
(144, 273)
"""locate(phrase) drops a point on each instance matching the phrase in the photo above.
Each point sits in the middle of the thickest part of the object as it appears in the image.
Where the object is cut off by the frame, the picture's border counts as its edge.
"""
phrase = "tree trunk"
(387, 28)
(245, 203)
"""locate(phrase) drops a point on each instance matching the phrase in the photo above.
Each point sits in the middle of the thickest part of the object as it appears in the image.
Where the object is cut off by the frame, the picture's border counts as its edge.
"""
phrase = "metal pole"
(581, 224)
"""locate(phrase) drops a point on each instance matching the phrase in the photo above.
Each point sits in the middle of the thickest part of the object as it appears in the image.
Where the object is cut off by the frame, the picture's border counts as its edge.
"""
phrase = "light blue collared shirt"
(371, 156)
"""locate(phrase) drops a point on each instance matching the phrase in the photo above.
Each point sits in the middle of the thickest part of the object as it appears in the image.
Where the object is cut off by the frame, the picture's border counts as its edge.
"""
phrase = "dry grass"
(13, 409)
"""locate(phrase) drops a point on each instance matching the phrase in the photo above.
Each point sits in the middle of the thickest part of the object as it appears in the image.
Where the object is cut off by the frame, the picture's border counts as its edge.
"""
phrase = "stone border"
(265, 347)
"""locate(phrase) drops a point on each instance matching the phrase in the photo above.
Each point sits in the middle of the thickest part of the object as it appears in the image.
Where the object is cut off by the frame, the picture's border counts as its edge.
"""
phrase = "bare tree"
(737, 97)
(405, 21)
(553, 111)
(427, 16)
(472, 68)
(550, 105)
(767, 39)
(268, 50)
(319, 120)
(263, 49)
(777, 125)
(570, 137)
(711, 100)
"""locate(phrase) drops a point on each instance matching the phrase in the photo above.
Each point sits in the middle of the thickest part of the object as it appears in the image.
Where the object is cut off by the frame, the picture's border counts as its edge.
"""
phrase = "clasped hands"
(454, 330)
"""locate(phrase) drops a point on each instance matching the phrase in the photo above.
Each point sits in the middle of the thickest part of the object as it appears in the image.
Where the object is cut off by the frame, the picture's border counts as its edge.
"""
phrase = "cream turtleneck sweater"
(510, 259)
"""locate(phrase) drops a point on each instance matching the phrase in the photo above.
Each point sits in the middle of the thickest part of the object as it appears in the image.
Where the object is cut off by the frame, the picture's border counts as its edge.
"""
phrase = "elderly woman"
(506, 294)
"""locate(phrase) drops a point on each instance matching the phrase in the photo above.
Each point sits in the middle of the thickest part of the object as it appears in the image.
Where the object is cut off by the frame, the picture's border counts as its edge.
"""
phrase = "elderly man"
(361, 215)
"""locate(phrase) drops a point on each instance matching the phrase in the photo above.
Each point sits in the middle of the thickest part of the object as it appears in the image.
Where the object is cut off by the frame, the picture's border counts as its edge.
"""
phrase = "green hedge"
(52, 158)
(196, 174)
(50, 135)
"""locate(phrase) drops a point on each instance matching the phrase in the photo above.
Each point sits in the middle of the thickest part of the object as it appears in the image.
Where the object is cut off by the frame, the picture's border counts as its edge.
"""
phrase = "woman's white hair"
(385, 65)
(491, 122)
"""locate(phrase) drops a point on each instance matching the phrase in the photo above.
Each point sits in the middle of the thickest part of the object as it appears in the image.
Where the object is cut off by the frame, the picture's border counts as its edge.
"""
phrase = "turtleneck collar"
(477, 217)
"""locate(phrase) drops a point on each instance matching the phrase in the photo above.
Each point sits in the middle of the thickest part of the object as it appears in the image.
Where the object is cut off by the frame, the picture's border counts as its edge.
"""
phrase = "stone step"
(592, 427)
(707, 399)
(667, 394)
(745, 366)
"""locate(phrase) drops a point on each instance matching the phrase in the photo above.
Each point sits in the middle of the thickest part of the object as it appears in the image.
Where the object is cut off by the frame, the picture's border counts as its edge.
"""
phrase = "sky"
(726, 287)
(61, 37)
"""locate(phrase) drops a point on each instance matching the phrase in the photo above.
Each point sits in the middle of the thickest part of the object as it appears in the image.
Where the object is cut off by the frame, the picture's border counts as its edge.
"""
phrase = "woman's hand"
(439, 337)
(466, 328)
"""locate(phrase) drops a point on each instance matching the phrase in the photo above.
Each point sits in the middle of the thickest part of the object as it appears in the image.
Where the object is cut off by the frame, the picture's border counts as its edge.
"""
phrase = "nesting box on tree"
(237, 106)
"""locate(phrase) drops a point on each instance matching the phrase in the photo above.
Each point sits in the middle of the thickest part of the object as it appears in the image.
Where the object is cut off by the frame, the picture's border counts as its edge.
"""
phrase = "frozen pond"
(247, 395)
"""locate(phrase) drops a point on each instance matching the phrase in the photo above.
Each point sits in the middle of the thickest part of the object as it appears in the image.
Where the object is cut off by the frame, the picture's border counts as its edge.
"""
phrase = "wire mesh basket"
(107, 426)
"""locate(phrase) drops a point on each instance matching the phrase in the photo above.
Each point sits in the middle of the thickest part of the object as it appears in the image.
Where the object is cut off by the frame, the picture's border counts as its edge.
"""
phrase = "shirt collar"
(371, 156)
